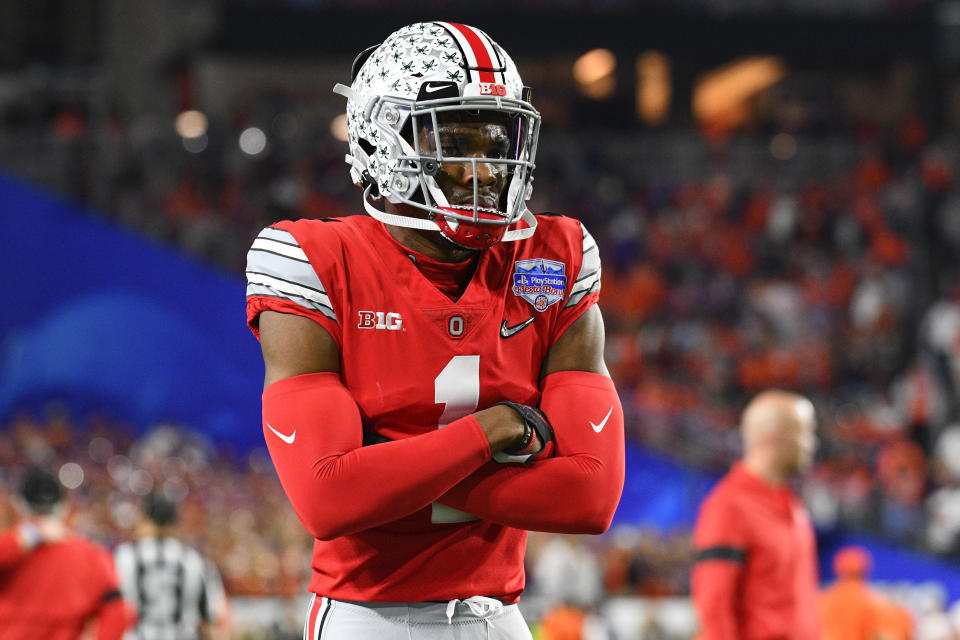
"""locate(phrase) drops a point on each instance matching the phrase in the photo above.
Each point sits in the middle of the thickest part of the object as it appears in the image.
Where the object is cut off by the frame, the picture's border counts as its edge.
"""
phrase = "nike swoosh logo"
(596, 427)
(433, 89)
(506, 332)
(288, 439)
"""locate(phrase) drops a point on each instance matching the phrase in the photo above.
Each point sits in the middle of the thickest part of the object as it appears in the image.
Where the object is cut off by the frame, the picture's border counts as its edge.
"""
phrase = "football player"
(435, 384)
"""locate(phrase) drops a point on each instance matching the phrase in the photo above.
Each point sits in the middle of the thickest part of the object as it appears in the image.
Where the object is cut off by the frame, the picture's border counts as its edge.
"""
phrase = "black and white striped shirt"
(173, 587)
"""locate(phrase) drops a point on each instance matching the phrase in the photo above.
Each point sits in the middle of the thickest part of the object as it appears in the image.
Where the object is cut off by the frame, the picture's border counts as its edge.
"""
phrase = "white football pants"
(476, 618)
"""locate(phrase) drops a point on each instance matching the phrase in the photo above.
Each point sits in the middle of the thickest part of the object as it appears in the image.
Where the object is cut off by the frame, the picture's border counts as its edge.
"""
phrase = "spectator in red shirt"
(53, 584)
(755, 575)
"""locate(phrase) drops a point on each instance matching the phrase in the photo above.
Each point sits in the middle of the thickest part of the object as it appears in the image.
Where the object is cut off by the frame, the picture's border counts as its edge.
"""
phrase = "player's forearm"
(313, 432)
(575, 494)
(583, 483)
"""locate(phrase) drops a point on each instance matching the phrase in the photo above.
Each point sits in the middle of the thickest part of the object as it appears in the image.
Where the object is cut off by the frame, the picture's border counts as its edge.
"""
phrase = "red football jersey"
(53, 591)
(414, 360)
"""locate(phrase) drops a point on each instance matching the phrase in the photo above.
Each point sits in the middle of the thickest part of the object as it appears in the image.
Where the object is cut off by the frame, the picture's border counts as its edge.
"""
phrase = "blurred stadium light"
(594, 73)
(252, 141)
(338, 127)
(191, 124)
(654, 87)
(720, 96)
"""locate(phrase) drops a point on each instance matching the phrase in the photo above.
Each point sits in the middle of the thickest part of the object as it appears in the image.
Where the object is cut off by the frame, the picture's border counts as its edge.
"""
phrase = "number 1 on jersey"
(458, 389)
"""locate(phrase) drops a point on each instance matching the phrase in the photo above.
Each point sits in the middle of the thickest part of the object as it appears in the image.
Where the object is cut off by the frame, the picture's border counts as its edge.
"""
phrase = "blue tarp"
(104, 317)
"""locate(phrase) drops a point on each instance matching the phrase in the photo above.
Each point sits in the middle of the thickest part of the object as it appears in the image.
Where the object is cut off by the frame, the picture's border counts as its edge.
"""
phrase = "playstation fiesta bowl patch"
(539, 281)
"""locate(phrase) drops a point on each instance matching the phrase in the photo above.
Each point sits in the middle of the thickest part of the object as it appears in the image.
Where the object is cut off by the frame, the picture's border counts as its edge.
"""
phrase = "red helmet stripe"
(479, 49)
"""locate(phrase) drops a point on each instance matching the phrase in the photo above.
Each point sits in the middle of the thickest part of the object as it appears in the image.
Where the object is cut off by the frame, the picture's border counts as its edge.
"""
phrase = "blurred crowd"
(628, 584)
(843, 287)
(262, 549)
(818, 264)
(258, 545)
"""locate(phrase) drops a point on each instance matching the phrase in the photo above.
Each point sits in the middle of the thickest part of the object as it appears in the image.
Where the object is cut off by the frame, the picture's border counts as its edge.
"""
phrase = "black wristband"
(524, 440)
(534, 420)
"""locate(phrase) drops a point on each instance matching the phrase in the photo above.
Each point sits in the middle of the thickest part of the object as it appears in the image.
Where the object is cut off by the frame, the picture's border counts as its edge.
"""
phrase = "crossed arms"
(338, 487)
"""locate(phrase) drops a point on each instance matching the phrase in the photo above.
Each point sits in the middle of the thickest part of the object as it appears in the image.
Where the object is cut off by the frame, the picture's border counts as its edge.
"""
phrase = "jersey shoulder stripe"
(588, 279)
(277, 267)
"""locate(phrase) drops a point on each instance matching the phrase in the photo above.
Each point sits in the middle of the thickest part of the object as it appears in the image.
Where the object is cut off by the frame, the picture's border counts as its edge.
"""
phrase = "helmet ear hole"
(368, 148)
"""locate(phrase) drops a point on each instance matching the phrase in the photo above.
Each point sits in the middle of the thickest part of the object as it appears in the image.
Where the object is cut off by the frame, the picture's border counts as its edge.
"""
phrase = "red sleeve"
(336, 486)
(112, 615)
(720, 549)
(575, 492)
(11, 552)
(258, 304)
(113, 618)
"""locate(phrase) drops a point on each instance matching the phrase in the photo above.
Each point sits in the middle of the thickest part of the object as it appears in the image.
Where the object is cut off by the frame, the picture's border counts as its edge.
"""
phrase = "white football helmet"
(399, 89)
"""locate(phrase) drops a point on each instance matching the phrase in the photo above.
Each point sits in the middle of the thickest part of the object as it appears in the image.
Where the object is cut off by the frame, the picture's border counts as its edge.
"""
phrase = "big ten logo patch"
(491, 89)
(389, 321)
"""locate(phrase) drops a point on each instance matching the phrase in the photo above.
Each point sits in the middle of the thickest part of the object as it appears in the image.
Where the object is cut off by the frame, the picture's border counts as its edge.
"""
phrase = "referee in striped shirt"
(177, 592)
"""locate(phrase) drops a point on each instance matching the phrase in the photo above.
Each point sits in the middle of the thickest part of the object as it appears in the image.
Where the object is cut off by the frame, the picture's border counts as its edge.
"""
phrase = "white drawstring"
(480, 606)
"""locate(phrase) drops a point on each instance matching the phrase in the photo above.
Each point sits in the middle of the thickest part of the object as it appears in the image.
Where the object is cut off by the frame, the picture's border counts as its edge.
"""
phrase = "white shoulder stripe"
(269, 292)
(277, 267)
(586, 282)
(278, 234)
(588, 278)
(282, 286)
(281, 248)
(299, 272)
(577, 296)
(588, 242)
(591, 260)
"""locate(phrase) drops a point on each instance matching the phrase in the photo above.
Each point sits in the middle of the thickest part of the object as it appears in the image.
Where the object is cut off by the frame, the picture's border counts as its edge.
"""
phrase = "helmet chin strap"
(394, 219)
(521, 234)
(427, 224)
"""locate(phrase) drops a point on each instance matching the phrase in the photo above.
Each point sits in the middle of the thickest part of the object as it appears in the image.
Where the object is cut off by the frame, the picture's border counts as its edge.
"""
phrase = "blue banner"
(108, 319)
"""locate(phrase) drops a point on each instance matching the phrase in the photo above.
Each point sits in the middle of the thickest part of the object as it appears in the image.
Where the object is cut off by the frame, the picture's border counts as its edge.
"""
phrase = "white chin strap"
(521, 234)
(395, 220)
(511, 235)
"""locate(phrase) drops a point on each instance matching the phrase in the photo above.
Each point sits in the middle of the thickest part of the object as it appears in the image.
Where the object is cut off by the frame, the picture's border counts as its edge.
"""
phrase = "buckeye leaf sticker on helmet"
(404, 92)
